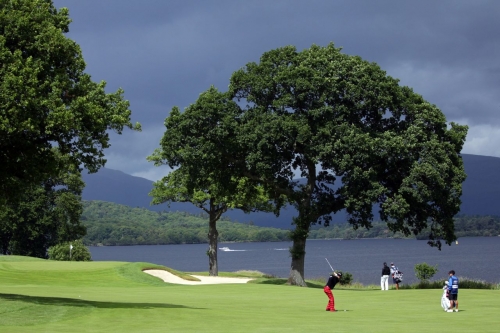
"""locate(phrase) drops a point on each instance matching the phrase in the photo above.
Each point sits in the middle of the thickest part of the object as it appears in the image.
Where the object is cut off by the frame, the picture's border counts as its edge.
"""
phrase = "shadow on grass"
(275, 281)
(59, 301)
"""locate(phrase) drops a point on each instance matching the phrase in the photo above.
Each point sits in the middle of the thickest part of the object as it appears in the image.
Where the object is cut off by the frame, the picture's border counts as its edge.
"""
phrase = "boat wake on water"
(226, 249)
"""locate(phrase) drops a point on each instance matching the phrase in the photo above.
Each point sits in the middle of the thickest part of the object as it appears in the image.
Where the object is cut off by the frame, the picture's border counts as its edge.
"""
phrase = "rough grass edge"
(464, 283)
(182, 275)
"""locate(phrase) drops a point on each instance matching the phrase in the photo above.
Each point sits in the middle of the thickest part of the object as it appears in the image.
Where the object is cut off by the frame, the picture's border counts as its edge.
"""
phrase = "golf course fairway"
(50, 296)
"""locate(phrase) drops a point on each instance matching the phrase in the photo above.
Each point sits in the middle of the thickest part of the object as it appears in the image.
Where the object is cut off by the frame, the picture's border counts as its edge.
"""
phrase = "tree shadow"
(275, 281)
(60, 301)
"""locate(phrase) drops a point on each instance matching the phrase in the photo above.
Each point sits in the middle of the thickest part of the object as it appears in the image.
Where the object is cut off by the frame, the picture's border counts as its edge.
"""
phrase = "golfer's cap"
(339, 273)
(392, 263)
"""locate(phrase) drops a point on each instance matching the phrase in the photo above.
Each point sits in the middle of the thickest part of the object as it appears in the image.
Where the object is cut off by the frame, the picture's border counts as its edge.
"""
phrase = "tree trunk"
(298, 253)
(213, 268)
(302, 224)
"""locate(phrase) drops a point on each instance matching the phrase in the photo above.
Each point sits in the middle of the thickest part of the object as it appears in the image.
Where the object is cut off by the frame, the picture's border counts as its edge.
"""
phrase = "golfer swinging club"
(330, 284)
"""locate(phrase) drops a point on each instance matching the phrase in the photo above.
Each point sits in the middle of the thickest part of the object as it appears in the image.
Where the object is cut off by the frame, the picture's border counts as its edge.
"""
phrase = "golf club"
(329, 264)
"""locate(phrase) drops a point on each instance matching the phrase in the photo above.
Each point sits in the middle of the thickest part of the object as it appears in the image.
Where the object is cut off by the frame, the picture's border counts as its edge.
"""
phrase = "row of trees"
(342, 124)
(54, 121)
(112, 224)
(465, 226)
(115, 232)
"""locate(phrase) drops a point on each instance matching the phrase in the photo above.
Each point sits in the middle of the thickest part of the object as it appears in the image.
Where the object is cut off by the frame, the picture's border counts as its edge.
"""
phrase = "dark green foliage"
(467, 283)
(345, 231)
(113, 224)
(356, 136)
(465, 226)
(200, 145)
(424, 284)
(44, 216)
(464, 283)
(346, 278)
(425, 272)
(272, 280)
(70, 251)
(46, 99)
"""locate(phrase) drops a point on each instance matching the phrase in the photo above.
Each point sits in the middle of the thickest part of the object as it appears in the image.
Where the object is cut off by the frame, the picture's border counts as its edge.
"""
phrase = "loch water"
(473, 257)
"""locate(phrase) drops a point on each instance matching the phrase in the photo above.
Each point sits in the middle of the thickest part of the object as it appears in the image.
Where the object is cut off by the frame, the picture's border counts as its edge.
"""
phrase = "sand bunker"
(171, 278)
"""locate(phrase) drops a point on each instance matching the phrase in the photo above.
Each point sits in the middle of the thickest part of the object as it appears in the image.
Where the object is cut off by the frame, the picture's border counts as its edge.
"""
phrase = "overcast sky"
(164, 53)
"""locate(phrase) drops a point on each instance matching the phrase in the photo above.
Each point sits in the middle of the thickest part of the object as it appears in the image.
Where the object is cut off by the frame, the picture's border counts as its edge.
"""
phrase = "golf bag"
(398, 276)
(445, 302)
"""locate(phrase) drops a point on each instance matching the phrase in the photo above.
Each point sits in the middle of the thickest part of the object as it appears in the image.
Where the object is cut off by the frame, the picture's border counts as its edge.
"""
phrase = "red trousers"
(331, 300)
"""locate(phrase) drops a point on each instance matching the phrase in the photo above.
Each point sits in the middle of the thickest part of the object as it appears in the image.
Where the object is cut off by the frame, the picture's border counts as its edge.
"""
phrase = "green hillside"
(113, 224)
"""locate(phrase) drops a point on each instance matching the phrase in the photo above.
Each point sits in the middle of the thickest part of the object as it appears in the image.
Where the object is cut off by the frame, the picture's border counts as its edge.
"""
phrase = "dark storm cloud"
(165, 53)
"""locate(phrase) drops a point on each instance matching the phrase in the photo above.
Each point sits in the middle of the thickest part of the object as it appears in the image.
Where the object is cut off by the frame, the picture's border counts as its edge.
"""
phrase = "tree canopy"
(45, 215)
(351, 132)
(47, 100)
(200, 143)
(356, 136)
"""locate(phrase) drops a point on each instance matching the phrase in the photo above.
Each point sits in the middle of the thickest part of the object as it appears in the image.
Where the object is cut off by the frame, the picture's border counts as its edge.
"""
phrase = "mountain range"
(480, 196)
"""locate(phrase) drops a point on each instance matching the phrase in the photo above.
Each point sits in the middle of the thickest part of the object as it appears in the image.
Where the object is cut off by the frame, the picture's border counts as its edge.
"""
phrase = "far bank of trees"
(113, 224)
(465, 226)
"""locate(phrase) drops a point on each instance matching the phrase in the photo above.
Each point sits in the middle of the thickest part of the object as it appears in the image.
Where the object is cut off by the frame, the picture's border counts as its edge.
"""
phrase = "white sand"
(171, 278)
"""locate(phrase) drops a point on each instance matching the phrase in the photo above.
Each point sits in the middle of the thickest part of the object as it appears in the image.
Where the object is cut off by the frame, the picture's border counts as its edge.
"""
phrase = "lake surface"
(472, 257)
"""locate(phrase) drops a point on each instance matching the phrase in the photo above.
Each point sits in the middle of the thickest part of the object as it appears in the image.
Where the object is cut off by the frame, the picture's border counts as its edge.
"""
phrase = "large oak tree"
(45, 215)
(47, 100)
(200, 143)
(355, 136)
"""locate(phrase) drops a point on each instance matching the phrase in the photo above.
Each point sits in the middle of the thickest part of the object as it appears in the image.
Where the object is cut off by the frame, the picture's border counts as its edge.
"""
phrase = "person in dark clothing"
(330, 284)
(453, 291)
(384, 280)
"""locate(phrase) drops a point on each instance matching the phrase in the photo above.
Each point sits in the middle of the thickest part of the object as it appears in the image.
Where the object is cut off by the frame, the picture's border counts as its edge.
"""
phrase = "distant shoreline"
(279, 241)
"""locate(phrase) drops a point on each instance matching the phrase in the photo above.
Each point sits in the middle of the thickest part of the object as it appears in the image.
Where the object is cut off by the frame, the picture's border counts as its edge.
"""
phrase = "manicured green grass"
(46, 296)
